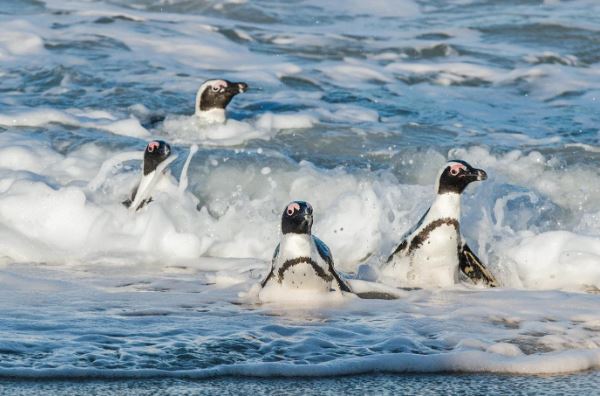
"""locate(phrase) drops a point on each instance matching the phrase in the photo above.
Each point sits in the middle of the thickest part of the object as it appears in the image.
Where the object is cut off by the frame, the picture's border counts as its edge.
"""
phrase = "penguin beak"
(164, 151)
(308, 216)
(477, 174)
(237, 87)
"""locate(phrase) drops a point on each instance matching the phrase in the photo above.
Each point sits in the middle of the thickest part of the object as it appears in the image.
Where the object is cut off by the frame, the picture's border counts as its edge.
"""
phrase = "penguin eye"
(153, 146)
(292, 208)
(215, 88)
(456, 168)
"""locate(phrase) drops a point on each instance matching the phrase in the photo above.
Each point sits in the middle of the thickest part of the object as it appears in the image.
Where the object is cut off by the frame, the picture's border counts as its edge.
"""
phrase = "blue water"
(94, 302)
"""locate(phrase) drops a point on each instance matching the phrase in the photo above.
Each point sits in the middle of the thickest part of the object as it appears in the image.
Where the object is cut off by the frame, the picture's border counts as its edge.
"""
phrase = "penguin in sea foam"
(213, 96)
(157, 157)
(433, 253)
(302, 262)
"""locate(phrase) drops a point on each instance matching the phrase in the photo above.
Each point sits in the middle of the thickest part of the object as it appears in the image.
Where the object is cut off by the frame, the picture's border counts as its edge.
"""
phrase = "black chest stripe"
(290, 263)
(422, 236)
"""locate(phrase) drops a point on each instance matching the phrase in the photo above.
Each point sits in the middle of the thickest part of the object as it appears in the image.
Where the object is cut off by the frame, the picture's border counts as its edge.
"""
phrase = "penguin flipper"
(271, 273)
(472, 267)
(325, 254)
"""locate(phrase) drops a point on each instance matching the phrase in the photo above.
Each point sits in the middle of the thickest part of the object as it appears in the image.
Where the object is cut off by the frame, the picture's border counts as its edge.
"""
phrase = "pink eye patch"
(220, 84)
(153, 146)
(454, 169)
(292, 208)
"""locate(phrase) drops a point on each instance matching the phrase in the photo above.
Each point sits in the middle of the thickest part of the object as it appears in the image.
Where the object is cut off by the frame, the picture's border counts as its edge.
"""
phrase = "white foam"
(18, 40)
(191, 129)
(270, 121)
(353, 73)
(75, 117)
(360, 216)
(448, 72)
(566, 257)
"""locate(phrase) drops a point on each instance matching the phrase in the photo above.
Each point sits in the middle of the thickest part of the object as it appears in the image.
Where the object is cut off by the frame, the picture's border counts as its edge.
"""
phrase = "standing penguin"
(213, 96)
(302, 261)
(156, 160)
(433, 253)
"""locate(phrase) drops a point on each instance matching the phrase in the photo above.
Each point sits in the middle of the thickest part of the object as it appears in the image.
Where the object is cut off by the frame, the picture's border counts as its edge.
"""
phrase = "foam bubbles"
(192, 129)
(17, 40)
(75, 117)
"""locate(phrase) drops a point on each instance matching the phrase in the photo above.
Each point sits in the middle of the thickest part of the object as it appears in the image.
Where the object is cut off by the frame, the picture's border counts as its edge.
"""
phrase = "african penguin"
(301, 260)
(213, 96)
(154, 167)
(432, 253)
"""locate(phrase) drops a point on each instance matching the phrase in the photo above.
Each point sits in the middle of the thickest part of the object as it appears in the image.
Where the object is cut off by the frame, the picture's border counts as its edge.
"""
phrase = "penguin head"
(216, 94)
(456, 176)
(156, 152)
(297, 218)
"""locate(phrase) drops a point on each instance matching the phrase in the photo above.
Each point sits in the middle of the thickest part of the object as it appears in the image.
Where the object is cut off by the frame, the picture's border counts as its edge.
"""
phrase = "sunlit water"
(353, 107)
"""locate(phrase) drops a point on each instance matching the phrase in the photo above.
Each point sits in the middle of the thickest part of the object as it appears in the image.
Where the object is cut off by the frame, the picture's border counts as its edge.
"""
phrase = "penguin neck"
(445, 205)
(296, 245)
(212, 115)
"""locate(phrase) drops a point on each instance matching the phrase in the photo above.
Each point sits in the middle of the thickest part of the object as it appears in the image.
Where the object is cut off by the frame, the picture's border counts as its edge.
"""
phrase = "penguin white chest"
(434, 260)
(300, 266)
(304, 276)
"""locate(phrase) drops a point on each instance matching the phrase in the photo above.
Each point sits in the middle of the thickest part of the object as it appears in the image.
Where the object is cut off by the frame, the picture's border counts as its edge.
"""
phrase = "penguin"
(301, 260)
(433, 252)
(156, 160)
(213, 96)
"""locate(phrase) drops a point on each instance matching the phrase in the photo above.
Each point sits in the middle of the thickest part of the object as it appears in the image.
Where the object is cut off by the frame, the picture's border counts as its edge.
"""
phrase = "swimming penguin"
(213, 97)
(156, 160)
(301, 260)
(433, 253)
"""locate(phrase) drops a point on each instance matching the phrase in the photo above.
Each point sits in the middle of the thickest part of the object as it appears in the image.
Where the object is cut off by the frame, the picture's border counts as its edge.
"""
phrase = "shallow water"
(466, 384)
(352, 108)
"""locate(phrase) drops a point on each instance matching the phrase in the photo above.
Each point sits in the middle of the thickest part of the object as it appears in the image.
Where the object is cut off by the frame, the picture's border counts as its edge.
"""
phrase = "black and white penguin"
(213, 96)
(156, 160)
(432, 253)
(301, 260)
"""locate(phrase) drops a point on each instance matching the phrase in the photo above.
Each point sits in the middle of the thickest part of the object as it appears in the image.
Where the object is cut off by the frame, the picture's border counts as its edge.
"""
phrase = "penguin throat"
(445, 205)
(212, 115)
(151, 163)
(295, 245)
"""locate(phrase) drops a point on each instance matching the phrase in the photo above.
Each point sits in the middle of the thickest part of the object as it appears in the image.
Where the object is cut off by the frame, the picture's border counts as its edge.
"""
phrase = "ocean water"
(353, 106)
